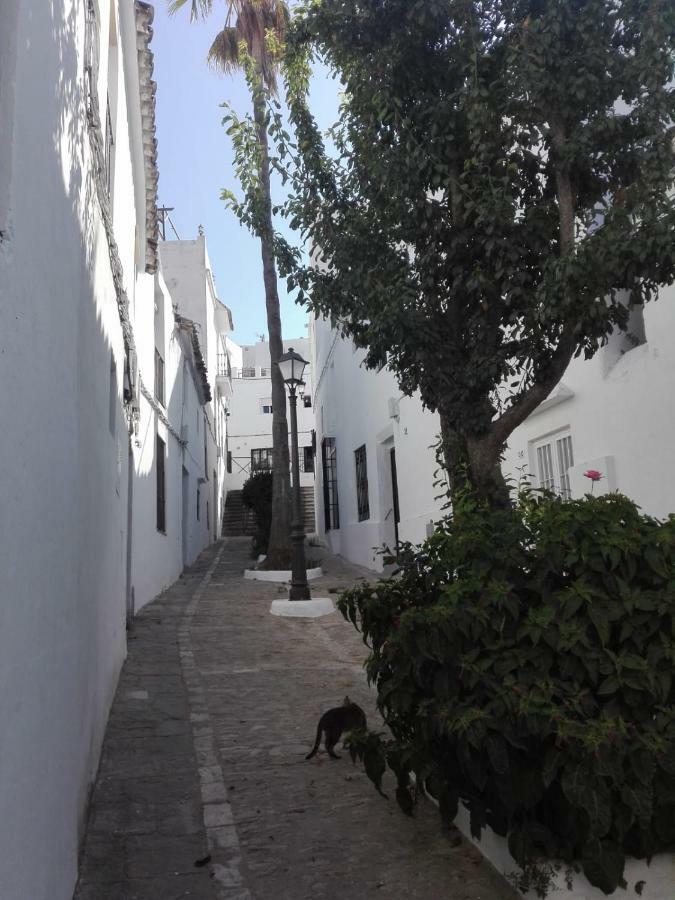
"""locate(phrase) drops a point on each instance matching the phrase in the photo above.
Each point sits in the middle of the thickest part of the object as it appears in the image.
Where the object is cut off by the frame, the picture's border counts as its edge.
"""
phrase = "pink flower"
(593, 474)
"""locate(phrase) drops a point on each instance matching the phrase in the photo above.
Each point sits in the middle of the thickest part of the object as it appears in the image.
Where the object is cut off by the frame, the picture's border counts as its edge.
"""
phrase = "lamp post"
(292, 365)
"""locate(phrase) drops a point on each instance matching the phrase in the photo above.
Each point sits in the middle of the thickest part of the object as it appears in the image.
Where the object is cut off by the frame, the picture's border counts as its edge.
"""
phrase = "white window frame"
(265, 404)
(553, 457)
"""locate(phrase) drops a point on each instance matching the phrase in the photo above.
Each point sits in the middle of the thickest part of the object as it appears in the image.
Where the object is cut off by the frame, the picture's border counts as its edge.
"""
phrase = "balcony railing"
(224, 368)
(255, 372)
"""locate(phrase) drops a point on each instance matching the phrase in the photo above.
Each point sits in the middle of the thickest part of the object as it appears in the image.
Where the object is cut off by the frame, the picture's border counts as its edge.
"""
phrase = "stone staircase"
(307, 501)
(238, 520)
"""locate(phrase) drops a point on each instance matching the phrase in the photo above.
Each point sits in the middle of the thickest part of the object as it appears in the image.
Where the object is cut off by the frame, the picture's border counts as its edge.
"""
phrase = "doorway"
(394, 493)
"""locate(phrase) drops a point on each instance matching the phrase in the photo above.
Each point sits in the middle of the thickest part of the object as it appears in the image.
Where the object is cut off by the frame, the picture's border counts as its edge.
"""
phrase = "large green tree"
(497, 199)
(251, 39)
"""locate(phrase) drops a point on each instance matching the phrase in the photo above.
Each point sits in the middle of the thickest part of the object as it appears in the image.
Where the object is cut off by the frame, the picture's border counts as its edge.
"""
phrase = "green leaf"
(603, 863)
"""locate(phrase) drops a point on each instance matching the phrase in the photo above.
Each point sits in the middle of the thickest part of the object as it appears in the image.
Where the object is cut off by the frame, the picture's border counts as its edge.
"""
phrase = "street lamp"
(292, 365)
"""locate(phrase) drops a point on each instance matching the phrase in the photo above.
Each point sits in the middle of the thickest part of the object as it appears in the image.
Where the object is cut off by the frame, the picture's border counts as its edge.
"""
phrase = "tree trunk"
(279, 549)
(473, 463)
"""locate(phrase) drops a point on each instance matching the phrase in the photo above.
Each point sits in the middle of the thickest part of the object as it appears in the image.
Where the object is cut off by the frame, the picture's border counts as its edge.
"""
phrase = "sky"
(195, 163)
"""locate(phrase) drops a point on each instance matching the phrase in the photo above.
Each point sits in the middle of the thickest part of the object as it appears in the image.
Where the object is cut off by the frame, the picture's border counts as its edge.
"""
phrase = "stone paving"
(204, 761)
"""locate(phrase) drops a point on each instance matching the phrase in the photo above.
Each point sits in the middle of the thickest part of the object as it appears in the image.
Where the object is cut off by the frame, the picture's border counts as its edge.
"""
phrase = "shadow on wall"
(63, 516)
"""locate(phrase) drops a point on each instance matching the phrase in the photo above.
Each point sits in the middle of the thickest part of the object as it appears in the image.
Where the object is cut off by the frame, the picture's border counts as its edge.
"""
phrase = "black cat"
(348, 717)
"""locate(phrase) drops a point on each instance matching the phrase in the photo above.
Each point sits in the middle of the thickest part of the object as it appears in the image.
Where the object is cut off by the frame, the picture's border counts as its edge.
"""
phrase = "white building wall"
(618, 408)
(63, 475)
(249, 427)
(189, 278)
(359, 407)
(187, 426)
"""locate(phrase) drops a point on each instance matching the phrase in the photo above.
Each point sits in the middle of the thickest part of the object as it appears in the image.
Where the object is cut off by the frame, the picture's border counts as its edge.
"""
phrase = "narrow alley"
(204, 761)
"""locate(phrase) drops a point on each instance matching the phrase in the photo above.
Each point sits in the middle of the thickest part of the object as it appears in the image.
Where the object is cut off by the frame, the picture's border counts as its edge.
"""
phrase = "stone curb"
(221, 833)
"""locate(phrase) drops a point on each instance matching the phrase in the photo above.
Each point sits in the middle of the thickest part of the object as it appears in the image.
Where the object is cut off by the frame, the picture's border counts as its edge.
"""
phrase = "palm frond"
(198, 8)
(254, 20)
(224, 51)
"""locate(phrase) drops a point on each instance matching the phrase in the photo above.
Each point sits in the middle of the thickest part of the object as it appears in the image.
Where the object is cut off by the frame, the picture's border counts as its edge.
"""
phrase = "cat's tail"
(314, 749)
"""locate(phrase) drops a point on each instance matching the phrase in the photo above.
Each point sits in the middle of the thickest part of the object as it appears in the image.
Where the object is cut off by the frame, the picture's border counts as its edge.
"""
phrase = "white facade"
(78, 500)
(614, 413)
(619, 412)
(63, 479)
(250, 422)
(182, 417)
(358, 408)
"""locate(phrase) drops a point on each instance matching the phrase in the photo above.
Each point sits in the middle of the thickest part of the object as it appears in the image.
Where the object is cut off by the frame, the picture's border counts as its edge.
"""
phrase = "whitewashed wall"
(187, 271)
(63, 475)
(249, 427)
(619, 409)
(356, 407)
(158, 557)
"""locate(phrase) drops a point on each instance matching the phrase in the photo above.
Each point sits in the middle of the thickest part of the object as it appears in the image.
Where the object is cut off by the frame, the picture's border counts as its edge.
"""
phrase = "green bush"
(257, 495)
(524, 661)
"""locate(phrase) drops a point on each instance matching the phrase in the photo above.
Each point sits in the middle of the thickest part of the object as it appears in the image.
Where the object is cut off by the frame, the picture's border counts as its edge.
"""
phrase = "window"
(261, 460)
(331, 507)
(159, 377)
(161, 485)
(307, 401)
(308, 459)
(554, 460)
(362, 483)
(248, 372)
(266, 405)
(265, 373)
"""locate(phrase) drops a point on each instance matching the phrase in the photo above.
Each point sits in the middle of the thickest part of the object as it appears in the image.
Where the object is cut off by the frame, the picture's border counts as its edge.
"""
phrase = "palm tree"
(250, 21)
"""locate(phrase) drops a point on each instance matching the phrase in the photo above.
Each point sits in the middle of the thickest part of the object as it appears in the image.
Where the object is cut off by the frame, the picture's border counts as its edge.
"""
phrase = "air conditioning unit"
(394, 411)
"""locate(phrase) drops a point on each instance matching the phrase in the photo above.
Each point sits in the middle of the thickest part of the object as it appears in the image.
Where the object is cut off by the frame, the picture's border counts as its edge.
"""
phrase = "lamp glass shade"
(292, 365)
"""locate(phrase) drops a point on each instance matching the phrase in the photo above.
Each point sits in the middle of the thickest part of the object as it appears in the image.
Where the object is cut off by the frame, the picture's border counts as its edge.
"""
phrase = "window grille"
(261, 460)
(565, 463)
(362, 483)
(331, 506)
(265, 372)
(161, 485)
(248, 373)
(159, 377)
(555, 458)
(224, 367)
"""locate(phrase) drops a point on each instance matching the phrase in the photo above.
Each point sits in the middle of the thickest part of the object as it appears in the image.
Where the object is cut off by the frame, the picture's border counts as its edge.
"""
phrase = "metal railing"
(224, 368)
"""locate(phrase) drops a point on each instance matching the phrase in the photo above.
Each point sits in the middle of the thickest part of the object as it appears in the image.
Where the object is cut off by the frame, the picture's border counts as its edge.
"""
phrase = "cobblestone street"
(205, 757)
